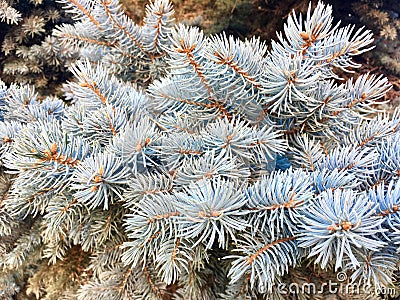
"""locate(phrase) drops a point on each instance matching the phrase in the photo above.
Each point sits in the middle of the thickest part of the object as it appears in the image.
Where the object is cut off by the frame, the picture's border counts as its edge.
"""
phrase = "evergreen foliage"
(385, 24)
(29, 52)
(9, 14)
(186, 166)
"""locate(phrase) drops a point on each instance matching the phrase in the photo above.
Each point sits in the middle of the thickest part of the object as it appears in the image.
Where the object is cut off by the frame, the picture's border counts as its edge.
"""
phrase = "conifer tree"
(186, 166)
